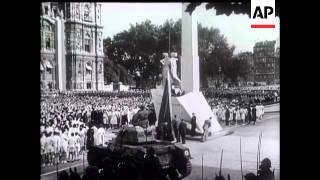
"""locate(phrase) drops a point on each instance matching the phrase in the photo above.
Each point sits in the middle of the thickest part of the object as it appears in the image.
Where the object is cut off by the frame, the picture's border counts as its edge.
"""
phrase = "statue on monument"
(170, 64)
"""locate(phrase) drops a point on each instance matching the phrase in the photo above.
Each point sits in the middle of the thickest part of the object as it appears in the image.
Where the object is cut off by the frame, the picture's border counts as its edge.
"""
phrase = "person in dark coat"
(264, 172)
(141, 118)
(74, 174)
(248, 118)
(193, 124)
(92, 173)
(227, 116)
(90, 137)
(250, 176)
(152, 117)
(183, 131)
(254, 114)
(100, 116)
(63, 175)
(152, 168)
(175, 125)
(94, 116)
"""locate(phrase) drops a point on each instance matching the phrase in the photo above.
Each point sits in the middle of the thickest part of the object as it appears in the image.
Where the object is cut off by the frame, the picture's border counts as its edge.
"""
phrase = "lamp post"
(219, 76)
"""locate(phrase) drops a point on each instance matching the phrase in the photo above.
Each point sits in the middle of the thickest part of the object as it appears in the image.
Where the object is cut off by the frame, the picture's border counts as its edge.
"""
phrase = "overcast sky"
(117, 17)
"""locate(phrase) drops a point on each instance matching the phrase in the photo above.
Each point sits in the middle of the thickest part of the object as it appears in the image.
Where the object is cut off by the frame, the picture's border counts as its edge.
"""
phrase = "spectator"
(43, 144)
(71, 147)
(74, 174)
(63, 176)
(227, 115)
(183, 131)
(193, 124)
(175, 125)
(100, 136)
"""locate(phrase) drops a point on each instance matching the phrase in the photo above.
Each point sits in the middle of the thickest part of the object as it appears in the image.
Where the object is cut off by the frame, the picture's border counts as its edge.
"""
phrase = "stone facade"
(265, 62)
(82, 41)
(248, 57)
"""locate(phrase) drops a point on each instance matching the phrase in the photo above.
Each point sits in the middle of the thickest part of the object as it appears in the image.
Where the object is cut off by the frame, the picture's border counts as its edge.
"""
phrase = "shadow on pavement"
(209, 173)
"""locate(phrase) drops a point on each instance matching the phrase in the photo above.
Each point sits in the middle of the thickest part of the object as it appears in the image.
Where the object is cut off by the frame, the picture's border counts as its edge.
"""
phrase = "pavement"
(211, 151)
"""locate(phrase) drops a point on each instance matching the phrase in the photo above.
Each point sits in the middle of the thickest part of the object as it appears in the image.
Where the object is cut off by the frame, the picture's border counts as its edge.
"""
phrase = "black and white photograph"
(160, 91)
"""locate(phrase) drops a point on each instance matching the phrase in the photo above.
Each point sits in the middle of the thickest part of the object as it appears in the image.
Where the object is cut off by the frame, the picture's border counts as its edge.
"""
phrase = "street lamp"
(219, 76)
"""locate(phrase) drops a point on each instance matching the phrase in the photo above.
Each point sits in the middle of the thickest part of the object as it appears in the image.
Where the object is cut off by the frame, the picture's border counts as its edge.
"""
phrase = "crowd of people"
(241, 105)
(66, 118)
(235, 114)
(252, 95)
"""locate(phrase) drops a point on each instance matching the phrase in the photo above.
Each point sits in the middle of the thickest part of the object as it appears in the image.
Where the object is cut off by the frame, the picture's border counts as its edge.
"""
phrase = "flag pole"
(202, 167)
(221, 162)
(260, 145)
(85, 137)
(258, 153)
(241, 160)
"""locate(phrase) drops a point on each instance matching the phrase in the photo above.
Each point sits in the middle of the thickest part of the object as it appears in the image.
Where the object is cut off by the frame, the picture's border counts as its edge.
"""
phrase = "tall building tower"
(84, 50)
(47, 47)
(264, 62)
(71, 52)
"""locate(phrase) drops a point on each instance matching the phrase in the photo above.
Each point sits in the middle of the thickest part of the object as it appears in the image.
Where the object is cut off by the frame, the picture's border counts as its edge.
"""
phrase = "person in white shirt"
(238, 116)
(43, 143)
(243, 112)
(72, 147)
(113, 120)
(105, 119)
(50, 153)
(82, 139)
(64, 146)
(95, 134)
(77, 137)
(56, 139)
(100, 136)
(49, 129)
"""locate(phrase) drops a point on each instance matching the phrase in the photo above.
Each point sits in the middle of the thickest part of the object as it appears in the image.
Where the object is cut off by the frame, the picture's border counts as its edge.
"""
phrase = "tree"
(214, 52)
(140, 49)
(230, 7)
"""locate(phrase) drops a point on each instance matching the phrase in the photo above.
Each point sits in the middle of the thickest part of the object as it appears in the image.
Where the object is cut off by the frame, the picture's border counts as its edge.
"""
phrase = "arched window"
(87, 43)
(48, 43)
(88, 68)
(87, 12)
(46, 10)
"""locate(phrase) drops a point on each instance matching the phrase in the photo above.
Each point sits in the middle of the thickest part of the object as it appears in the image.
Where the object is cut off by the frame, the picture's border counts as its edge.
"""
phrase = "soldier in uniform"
(175, 125)
(141, 118)
(183, 130)
(206, 126)
(264, 172)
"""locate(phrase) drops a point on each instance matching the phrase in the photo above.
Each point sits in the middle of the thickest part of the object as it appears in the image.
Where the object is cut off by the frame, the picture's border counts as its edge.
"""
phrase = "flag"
(166, 111)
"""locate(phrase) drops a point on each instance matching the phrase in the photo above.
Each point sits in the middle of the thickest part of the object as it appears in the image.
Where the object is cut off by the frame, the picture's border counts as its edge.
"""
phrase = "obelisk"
(189, 50)
(60, 55)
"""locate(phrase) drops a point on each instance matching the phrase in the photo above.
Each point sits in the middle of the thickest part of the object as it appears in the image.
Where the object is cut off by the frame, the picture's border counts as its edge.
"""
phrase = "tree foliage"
(140, 48)
(228, 8)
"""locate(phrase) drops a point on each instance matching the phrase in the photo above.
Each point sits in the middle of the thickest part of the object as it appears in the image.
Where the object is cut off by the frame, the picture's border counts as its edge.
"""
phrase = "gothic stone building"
(71, 54)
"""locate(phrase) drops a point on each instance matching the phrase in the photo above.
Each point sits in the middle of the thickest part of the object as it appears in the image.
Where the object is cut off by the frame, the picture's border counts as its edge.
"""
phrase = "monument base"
(224, 132)
(184, 106)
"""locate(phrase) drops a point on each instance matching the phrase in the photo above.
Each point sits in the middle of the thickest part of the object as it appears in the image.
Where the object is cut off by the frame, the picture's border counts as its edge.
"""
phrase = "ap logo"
(262, 14)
